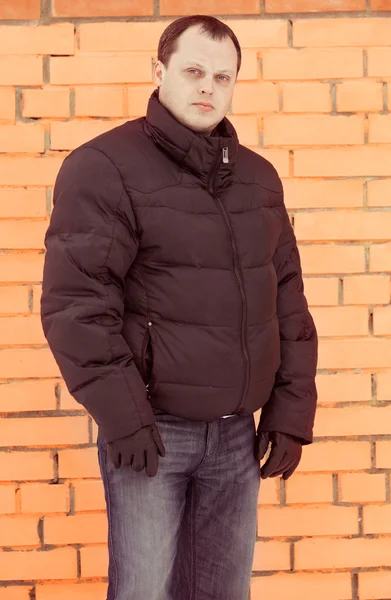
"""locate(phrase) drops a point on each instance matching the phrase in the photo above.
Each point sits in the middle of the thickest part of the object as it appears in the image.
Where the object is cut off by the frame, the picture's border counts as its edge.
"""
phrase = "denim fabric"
(189, 532)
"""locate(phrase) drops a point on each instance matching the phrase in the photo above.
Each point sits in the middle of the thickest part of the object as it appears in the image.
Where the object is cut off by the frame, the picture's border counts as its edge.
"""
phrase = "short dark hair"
(214, 28)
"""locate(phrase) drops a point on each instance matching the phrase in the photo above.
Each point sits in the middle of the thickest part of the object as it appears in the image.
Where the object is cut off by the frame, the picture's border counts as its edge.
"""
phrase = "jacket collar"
(195, 152)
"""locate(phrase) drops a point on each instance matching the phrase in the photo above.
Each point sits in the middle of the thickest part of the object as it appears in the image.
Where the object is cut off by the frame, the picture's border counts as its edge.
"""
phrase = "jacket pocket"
(146, 357)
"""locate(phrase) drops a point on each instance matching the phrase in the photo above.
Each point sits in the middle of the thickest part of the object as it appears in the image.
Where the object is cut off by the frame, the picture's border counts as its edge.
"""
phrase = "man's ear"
(159, 72)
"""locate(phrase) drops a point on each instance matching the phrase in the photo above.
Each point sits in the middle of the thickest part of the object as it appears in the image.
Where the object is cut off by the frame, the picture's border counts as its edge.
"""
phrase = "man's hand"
(284, 456)
(138, 450)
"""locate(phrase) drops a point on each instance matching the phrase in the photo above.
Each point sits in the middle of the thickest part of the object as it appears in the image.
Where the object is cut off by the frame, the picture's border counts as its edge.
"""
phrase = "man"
(173, 303)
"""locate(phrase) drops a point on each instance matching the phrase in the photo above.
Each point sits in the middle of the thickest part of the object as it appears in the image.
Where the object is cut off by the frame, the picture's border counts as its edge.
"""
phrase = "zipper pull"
(225, 155)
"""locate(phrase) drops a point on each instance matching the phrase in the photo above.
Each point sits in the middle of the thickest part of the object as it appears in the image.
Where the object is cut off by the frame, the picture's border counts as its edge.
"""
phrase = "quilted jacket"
(172, 279)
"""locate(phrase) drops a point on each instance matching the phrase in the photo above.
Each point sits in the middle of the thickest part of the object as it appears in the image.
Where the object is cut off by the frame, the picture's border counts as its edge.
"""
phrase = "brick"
(22, 234)
(71, 134)
(22, 202)
(366, 289)
(259, 33)
(26, 171)
(352, 420)
(250, 65)
(51, 39)
(362, 487)
(19, 268)
(42, 498)
(7, 104)
(279, 159)
(326, 258)
(341, 320)
(383, 455)
(355, 354)
(377, 519)
(67, 401)
(18, 531)
(59, 563)
(7, 499)
(379, 129)
(89, 495)
(309, 521)
(335, 456)
(23, 362)
(20, 9)
(45, 431)
(269, 491)
(99, 102)
(315, 193)
(358, 225)
(94, 561)
(22, 138)
(21, 70)
(342, 554)
(295, 130)
(13, 300)
(79, 591)
(121, 37)
(306, 97)
(37, 294)
(28, 466)
(75, 529)
(138, 97)
(380, 257)
(80, 463)
(379, 62)
(16, 592)
(359, 161)
(95, 8)
(289, 6)
(312, 63)
(383, 386)
(246, 128)
(305, 489)
(330, 586)
(250, 98)
(380, 4)
(30, 395)
(382, 320)
(321, 291)
(47, 102)
(375, 585)
(209, 7)
(101, 69)
(341, 32)
(26, 330)
(379, 192)
(271, 556)
(359, 96)
(343, 387)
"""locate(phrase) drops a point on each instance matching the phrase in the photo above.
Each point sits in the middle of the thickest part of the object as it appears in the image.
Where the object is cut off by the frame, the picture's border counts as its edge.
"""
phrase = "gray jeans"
(189, 532)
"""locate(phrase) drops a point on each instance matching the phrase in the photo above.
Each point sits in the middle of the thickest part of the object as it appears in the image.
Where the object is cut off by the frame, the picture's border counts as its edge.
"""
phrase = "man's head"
(199, 58)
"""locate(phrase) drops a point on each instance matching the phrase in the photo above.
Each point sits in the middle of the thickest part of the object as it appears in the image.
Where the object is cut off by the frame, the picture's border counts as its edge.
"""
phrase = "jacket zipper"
(211, 189)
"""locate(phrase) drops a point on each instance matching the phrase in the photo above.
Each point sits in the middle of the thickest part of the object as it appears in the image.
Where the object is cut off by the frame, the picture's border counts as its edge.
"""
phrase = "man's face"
(202, 70)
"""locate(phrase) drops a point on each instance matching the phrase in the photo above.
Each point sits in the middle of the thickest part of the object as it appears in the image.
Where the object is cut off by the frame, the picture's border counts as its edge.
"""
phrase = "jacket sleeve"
(292, 404)
(90, 245)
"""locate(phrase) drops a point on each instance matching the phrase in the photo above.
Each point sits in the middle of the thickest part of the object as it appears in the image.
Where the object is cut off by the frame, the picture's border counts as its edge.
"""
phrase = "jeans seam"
(192, 543)
(110, 532)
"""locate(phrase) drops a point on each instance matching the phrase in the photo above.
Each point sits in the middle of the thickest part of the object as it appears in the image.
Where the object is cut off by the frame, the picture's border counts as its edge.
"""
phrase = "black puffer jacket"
(172, 278)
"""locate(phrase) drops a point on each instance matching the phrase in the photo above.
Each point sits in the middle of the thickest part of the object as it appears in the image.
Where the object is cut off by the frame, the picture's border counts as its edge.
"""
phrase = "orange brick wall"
(313, 96)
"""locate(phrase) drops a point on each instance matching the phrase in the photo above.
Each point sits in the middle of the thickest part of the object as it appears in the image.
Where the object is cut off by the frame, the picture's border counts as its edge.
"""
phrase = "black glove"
(138, 450)
(285, 453)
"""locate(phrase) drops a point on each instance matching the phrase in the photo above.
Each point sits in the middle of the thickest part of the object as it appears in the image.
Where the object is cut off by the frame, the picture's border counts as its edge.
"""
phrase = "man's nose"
(207, 85)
